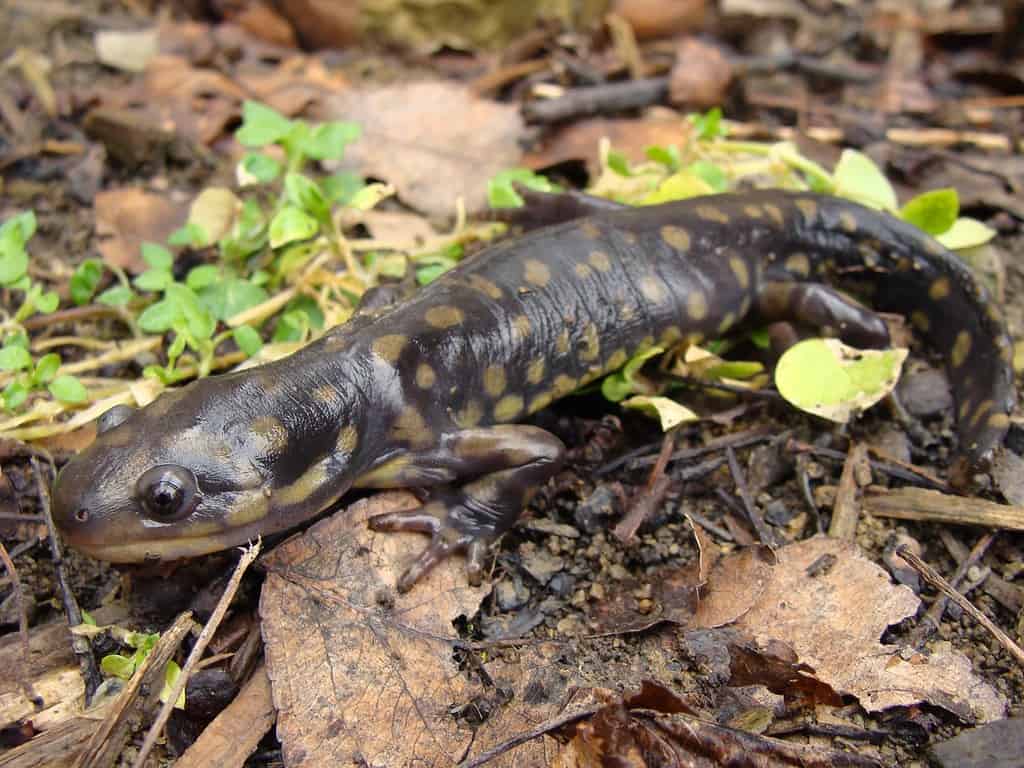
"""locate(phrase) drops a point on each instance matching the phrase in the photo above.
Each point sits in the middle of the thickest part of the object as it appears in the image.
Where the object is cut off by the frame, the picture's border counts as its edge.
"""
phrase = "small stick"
(597, 99)
(764, 533)
(197, 652)
(544, 728)
(19, 597)
(933, 617)
(735, 440)
(846, 511)
(896, 469)
(923, 504)
(933, 577)
(653, 493)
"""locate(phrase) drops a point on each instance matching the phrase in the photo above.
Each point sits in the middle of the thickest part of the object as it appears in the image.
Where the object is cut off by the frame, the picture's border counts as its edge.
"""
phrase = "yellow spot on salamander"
(727, 322)
(444, 316)
(961, 349)
(981, 413)
(563, 385)
(272, 432)
(617, 360)
(600, 261)
(652, 289)
(409, 427)
(303, 487)
(589, 229)
(630, 238)
(494, 380)
(809, 208)
(753, 211)
(562, 342)
(536, 272)
(485, 286)
(521, 326)
(798, 264)
(670, 335)
(590, 344)
(920, 321)
(676, 237)
(999, 421)
(348, 439)
(541, 401)
(508, 408)
(326, 394)
(535, 371)
(939, 289)
(583, 271)
(470, 415)
(739, 269)
(848, 222)
(389, 347)
(425, 376)
(712, 213)
(696, 305)
(963, 410)
(775, 213)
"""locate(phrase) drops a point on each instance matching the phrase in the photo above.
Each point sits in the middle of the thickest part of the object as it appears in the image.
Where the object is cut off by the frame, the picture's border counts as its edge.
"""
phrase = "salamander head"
(197, 471)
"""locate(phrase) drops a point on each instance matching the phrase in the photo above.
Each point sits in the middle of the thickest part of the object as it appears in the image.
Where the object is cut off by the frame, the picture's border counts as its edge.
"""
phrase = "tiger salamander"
(427, 392)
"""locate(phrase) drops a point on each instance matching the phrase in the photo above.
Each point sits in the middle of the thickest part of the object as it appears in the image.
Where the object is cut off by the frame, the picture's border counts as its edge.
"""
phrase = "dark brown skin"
(424, 393)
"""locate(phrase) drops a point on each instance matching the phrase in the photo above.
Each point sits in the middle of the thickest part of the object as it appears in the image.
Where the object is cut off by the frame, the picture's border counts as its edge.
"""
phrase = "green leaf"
(734, 369)
(154, 280)
(760, 338)
(934, 212)
(171, 674)
(14, 358)
(966, 233)
(367, 197)
(709, 125)
(85, 280)
(501, 194)
(261, 125)
(227, 298)
(116, 296)
(190, 235)
(88, 619)
(857, 178)
(117, 665)
(202, 276)
(248, 340)
(160, 317)
(832, 380)
(291, 224)
(157, 257)
(340, 188)
(667, 156)
(263, 168)
(617, 162)
(328, 140)
(619, 385)
(68, 389)
(13, 265)
(46, 368)
(678, 186)
(667, 411)
(15, 394)
(304, 193)
(47, 302)
(291, 326)
(710, 173)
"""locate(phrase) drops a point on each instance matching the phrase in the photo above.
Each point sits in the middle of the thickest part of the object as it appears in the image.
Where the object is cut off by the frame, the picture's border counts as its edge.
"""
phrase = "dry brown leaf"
(128, 217)
(362, 673)
(833, 621)
(434, 141)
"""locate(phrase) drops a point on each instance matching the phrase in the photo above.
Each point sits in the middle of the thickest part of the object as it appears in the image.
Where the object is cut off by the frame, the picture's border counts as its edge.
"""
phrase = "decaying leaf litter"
(583, 637)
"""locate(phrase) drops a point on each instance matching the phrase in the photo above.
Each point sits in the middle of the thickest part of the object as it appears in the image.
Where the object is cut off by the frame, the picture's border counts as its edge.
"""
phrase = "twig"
(846, 511)
(79, 644)
(19, 597)
(895, 469)
(197, 652)
(653, 493)
(764, 533)
(804, 479)
(933, 617)
(597, 99)
(932, 506)
(933, 577)
(735, 440)
(544, 728)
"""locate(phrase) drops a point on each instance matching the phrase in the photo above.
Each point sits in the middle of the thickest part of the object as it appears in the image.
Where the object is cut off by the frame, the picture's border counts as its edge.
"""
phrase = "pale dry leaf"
(362, 673)
(834, 618)
(434, 142)
(130, 51)
(127, 217)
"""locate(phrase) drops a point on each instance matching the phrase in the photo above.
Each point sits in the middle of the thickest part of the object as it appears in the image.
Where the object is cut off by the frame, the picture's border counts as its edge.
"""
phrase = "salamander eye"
(113, 417)
(167, 492)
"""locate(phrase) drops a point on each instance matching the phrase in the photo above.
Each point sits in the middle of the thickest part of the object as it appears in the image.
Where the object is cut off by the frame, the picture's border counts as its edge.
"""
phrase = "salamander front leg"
(507, 463)
(821, 307)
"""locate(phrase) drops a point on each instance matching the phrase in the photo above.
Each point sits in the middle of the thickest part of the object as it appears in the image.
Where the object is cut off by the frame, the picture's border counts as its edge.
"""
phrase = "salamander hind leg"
(506, 465)
(821, 307)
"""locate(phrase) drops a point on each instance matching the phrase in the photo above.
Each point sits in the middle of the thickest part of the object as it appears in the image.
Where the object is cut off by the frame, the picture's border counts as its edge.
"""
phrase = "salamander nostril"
(82, 515)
